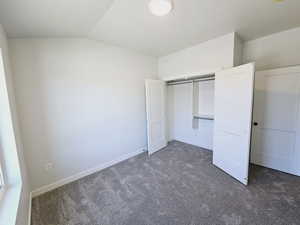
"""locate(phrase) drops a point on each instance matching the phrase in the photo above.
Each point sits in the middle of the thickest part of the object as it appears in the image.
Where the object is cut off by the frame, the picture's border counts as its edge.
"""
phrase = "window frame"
(2, 179)
(2, 183)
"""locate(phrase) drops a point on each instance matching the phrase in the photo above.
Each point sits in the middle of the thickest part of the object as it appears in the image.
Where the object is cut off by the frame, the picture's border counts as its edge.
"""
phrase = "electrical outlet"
(48, 166)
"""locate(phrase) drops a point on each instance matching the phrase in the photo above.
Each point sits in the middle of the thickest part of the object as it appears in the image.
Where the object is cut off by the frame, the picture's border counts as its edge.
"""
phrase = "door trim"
(278, 72)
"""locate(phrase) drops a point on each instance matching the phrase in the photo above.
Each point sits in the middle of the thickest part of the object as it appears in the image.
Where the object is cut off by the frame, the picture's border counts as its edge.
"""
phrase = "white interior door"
(233, 120)
(156, 119)
(276, 116)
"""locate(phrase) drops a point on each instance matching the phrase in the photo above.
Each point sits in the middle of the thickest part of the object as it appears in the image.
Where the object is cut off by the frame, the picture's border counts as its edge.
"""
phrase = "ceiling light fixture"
(160, 7)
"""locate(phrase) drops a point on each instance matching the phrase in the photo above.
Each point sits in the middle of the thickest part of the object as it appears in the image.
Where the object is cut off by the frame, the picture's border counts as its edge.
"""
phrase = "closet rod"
(170, 83)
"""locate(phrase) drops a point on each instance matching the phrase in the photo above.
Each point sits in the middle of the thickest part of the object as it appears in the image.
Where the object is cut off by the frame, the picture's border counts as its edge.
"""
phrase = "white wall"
(180, 118)
(238, 50)
(206, 57)
(11, 146)
(81, 104)
(274, 51)
(204, 98)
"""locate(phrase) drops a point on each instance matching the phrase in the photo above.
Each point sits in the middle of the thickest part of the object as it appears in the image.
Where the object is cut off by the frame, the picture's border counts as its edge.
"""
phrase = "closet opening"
(212, 111)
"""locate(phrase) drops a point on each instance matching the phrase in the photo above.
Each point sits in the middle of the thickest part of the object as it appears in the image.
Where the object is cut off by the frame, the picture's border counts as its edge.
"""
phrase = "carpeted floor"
(176, 186)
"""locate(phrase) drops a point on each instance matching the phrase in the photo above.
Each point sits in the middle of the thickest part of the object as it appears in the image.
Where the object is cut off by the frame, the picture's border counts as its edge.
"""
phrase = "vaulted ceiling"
(128, 23)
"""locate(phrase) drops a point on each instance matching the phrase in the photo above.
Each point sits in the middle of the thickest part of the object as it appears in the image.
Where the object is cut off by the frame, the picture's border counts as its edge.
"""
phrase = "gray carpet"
(177, 185)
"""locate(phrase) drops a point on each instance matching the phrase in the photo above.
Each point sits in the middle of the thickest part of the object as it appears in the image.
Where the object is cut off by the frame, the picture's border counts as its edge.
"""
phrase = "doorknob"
(255, 123)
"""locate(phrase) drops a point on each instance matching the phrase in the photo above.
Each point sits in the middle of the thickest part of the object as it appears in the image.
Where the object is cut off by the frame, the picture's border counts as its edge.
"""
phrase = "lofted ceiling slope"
(51, 18)
(128, 23)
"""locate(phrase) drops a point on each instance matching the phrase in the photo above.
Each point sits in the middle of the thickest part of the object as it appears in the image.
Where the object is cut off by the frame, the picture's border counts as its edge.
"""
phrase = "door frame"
(279, 71)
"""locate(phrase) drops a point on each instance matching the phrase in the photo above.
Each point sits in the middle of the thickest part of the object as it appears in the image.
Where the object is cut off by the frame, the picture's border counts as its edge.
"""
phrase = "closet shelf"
(203, 117)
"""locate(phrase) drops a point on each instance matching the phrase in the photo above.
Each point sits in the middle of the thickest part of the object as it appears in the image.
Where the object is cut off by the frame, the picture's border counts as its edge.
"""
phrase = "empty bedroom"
(149, 112)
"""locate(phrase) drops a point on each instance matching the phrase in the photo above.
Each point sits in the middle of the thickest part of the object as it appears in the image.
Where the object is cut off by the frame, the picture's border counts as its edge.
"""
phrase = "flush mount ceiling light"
(160, 7)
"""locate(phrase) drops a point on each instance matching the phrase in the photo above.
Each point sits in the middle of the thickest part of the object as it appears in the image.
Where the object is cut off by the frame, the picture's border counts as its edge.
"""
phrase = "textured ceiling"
(129, 24)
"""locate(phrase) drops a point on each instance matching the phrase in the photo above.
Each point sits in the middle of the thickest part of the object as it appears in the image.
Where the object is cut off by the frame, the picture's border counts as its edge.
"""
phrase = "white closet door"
(276, 116)
(233, 120)
(156, 119)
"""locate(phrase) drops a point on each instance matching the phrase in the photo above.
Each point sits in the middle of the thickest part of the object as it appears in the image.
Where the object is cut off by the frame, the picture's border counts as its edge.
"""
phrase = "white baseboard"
(29, 209)
(80, 175)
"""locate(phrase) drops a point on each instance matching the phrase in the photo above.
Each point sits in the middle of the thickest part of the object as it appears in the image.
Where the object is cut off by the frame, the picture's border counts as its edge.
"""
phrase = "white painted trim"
(10, 203)
(80, 175)
(29, 209)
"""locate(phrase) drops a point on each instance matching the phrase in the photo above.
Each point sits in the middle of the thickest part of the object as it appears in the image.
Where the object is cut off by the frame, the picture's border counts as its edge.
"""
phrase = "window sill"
(9, 204)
